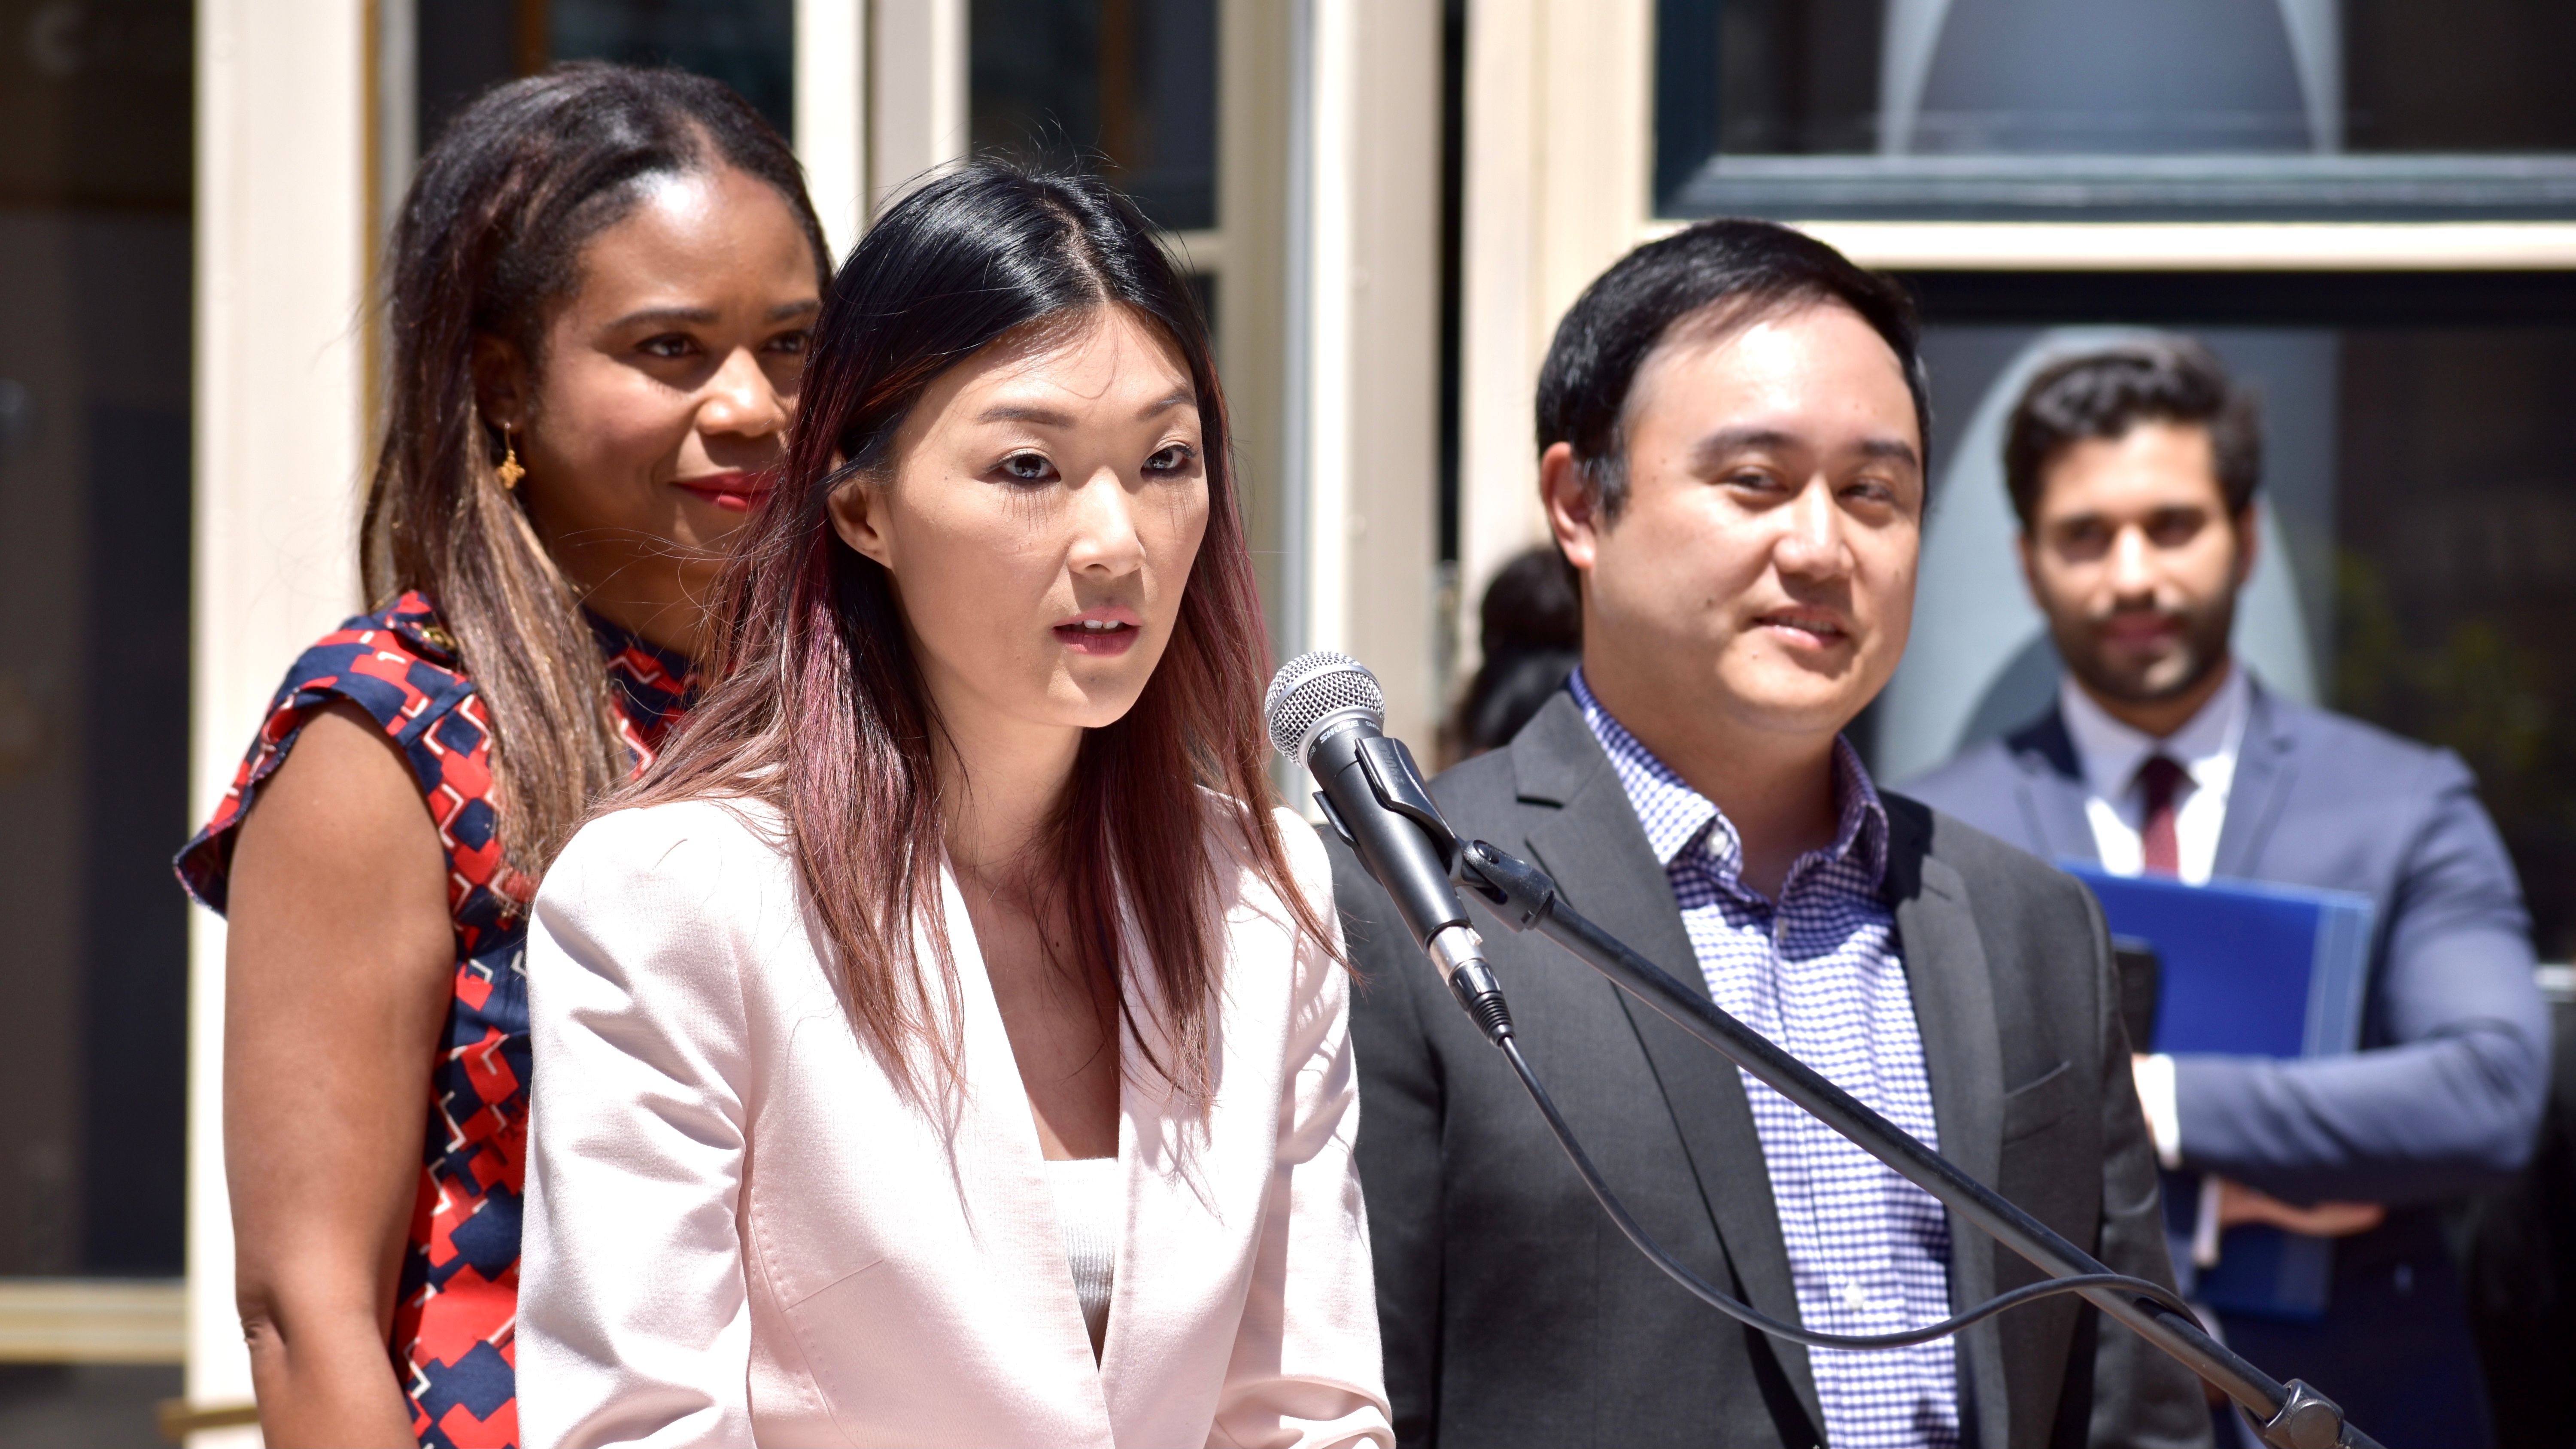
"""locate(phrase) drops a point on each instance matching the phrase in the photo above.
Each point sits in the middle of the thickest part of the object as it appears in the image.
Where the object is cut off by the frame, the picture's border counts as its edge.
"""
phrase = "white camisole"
(1090, 1210)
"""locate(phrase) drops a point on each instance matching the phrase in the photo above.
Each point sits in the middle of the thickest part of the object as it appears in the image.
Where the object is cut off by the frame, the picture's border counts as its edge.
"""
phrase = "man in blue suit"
(2133, 473)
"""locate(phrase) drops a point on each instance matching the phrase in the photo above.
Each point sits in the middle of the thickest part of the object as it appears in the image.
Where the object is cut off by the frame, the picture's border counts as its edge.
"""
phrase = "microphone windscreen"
(1313, 690)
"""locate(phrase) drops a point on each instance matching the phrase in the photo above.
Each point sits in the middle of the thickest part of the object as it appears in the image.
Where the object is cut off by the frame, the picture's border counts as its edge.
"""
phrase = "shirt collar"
(2111, 751)
(1675, 816)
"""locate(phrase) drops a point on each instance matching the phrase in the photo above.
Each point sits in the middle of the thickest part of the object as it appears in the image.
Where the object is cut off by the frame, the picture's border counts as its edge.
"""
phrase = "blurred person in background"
(947, 1042)
(601, 287)
(1531, 639)
(1732, 424)
(2133, 472)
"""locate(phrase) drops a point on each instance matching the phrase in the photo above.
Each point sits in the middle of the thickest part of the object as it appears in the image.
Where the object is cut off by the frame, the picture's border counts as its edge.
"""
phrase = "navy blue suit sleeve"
(2448, 1104)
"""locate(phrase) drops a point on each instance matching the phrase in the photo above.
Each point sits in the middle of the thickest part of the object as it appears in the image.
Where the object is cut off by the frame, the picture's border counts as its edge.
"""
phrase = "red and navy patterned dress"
(452, 1338)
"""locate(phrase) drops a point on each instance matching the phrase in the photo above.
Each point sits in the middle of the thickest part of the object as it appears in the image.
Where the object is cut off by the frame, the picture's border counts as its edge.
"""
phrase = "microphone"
(1326, 712)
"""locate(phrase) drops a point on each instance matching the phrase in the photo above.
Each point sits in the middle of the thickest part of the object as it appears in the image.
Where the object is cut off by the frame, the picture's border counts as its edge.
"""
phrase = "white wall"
(831, 114)
(917, 102)
(1559, 127)
(282, 240)
(1365, 552)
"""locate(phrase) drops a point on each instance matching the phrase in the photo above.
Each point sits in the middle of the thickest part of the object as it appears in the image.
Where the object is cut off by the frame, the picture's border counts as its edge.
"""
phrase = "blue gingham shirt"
(1819, 973)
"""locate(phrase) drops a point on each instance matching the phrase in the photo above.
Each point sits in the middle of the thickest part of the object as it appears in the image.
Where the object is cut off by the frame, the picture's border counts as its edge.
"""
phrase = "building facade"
(2367, 206)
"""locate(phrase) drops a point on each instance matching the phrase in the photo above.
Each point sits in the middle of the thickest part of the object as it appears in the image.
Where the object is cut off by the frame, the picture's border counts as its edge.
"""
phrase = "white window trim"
(285, 143)
(2202, 246)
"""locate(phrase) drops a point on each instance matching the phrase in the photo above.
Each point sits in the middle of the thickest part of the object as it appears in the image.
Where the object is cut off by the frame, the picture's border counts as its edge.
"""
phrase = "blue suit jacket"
(2445, 1096)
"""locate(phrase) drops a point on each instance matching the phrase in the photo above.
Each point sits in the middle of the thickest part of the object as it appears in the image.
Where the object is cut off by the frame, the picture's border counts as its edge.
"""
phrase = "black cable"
(1752, 1317)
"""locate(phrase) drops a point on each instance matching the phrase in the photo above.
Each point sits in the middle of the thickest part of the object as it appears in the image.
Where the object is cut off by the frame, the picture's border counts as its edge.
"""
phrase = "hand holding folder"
(2245, 969)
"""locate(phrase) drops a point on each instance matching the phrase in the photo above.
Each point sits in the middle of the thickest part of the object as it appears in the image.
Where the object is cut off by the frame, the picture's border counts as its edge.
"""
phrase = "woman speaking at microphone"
(945, 1044)
(602, 283)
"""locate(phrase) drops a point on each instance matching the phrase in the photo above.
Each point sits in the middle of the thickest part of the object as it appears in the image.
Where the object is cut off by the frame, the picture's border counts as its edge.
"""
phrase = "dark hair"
(1726, 272)
(489, 241)
(1532, 637)
(821, 712)
(2104, 394)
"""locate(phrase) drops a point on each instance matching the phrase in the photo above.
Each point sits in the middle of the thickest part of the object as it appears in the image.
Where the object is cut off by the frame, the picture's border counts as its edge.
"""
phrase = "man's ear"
(2249, 541)
(2022, 546)
(858, 509)
(502, 385)
(1573, 506)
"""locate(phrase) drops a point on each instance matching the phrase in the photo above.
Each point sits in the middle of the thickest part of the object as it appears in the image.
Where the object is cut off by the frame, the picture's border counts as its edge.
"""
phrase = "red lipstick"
(734, 491)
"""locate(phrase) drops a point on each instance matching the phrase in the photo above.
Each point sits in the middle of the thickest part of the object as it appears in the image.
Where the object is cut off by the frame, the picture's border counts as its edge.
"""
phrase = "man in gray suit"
(2133, 472)
(1732, 425)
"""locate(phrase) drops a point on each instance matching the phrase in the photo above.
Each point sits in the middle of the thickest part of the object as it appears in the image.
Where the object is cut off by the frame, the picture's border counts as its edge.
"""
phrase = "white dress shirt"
(2115, 803)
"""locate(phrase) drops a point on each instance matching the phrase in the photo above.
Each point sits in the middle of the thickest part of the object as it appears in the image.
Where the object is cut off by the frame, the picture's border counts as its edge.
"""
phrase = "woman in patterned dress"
(602, 283)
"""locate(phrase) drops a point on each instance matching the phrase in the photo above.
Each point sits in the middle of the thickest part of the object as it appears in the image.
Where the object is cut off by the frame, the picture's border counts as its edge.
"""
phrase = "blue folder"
(2247, 969)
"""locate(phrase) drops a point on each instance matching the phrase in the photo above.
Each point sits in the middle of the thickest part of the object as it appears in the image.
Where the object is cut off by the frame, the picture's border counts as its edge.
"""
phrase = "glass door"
(95, 258)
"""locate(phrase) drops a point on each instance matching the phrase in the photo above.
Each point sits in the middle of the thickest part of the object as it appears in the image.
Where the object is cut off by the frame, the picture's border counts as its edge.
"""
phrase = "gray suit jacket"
(2447, 1101)
(2447, 1094)
(1513, 1312)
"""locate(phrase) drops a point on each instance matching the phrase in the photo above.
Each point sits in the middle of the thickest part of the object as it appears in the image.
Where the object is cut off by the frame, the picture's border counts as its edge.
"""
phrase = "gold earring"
(509, 471)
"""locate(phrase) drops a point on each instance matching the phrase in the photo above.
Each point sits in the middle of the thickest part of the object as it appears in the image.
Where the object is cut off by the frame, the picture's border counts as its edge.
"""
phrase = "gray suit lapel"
(2264, 768)
(1954, 1010)
(1603, 866)
(2051, 790)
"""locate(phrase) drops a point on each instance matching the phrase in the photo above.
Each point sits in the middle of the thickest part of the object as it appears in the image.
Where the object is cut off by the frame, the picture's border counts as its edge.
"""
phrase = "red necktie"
(2161, 778)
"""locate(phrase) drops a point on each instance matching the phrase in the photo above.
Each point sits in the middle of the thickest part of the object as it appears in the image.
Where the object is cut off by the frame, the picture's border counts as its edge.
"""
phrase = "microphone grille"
(1314, 689)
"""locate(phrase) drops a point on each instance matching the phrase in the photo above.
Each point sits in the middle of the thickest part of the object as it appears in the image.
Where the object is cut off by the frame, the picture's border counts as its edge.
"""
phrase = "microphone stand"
(2291, 1416)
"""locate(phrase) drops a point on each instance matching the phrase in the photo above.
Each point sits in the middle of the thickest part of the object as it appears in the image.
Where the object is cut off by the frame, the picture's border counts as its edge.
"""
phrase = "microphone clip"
(1519, 893)
(1397, 783)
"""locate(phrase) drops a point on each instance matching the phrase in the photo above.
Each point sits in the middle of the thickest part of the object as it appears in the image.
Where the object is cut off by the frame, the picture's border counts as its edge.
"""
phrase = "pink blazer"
(737, 1232)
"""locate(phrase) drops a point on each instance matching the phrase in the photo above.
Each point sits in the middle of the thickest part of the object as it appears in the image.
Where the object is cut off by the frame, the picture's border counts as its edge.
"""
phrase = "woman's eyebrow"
(1046, 417)
(696, 316)
(708, 316)
(1043, 417)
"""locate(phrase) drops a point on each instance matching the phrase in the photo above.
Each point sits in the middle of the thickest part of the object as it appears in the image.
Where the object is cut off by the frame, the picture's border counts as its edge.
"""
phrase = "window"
(95, 160)
(466, 45)
(1124, 87)
(2419, 507)
(2181, 108)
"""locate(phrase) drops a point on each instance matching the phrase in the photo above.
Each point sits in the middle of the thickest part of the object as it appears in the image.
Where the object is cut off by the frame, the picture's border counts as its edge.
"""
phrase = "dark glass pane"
(2460, 75)
(2177, 108)
(750, 45)
(96, 104)
(461, 47)
(1453, 222)
(93, 1405)
(1766, 76)
(2456, 574)
(2422, 517)
(1123, 87)
(466, 45)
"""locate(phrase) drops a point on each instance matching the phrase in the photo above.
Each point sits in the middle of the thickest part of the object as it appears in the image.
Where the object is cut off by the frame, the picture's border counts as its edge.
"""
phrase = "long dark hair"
(821, 712)
(488, 243)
